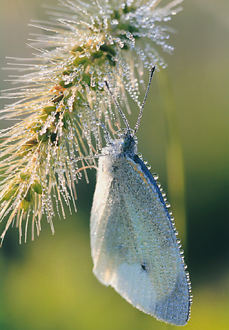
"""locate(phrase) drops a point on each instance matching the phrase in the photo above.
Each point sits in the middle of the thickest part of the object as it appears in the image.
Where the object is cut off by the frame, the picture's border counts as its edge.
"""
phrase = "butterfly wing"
(133, 244)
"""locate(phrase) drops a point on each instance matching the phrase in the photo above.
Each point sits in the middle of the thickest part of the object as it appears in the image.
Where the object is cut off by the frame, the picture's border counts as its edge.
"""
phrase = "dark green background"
(48, 284)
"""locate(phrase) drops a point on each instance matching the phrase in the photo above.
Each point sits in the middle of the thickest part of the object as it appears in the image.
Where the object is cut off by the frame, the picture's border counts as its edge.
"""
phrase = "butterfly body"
(133, 242)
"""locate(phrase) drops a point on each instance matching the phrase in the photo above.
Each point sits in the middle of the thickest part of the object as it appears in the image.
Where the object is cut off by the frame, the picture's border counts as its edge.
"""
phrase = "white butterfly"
(133, 242)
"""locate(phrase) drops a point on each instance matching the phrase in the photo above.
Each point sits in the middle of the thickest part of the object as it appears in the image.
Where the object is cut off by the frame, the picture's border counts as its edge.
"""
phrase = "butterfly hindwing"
(134, 247)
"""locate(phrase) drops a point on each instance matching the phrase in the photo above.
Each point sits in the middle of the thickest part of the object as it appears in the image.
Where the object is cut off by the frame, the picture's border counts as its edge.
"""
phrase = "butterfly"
(133, 241)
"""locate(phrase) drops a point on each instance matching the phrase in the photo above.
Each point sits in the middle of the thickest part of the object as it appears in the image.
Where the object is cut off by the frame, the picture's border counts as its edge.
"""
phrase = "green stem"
(175, 164)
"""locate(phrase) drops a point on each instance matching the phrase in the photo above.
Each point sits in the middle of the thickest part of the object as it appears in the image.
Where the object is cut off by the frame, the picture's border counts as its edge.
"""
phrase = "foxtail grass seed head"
(56, 135)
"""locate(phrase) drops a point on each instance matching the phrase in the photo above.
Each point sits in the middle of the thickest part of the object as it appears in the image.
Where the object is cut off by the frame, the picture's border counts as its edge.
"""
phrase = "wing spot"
(115, 168)
(144, 266)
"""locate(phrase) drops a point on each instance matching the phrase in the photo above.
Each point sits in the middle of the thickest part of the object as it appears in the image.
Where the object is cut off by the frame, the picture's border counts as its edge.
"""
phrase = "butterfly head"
(124, 145)
(129, 142)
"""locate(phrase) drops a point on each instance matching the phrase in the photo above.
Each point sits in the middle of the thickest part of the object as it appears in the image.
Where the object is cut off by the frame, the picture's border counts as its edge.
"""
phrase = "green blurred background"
(48, 284)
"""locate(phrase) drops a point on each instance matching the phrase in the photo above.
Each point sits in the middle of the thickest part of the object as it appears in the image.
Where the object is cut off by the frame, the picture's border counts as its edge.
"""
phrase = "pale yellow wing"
(133, 244)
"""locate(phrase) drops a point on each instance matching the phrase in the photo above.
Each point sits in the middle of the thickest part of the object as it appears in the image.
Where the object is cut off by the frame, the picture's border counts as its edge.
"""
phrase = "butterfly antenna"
(144, 101)
(118, 106)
